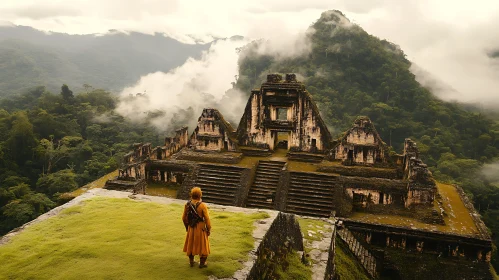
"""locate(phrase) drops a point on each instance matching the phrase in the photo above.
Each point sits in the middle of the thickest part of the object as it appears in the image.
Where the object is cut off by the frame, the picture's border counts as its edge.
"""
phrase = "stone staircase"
(365, 258)
(265, 184)
(310, 194)
(219, 183)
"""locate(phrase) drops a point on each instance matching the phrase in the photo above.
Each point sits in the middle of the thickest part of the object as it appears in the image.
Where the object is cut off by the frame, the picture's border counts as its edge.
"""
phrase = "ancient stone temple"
(282, 114)
(283, 157)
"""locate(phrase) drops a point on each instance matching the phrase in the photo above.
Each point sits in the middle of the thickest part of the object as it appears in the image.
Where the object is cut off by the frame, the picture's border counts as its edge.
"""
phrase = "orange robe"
(196, 240)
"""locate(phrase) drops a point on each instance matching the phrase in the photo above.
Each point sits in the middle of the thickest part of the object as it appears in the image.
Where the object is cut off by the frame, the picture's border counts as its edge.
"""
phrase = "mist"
(491, 171)
(174, 99)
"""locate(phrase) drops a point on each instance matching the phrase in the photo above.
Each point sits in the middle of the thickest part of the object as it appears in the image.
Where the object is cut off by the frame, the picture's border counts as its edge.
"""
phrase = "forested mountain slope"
(53, 143)
(351, 73)
(29, 58)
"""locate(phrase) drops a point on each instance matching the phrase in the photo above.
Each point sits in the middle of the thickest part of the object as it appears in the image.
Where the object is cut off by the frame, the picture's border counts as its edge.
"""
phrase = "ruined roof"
(364, 123)
(217, 116)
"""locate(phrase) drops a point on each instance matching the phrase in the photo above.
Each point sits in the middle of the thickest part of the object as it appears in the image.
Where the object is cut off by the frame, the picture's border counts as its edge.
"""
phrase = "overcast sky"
(448, 40)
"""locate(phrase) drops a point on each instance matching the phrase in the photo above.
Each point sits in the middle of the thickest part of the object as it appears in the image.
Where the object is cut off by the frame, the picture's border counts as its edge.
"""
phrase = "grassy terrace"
(99, 183)
(110, 238)
(457, 220)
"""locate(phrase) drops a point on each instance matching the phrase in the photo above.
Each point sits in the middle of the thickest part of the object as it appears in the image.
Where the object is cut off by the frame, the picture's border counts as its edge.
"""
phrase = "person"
(198, 226)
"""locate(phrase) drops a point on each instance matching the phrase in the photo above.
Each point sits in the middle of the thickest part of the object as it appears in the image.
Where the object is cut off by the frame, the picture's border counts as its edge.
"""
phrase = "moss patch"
(292, 268)
(311, 229)
(99, 183)
(347, 266)
(458, 219)
(108, 238)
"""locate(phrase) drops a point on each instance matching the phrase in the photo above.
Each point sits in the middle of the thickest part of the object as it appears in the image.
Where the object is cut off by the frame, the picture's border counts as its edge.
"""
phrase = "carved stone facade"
(282, 113)
(361, 145)
(213, 133)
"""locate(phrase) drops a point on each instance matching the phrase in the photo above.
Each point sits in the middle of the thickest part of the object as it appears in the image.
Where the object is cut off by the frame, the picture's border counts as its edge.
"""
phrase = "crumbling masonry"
(283, 157)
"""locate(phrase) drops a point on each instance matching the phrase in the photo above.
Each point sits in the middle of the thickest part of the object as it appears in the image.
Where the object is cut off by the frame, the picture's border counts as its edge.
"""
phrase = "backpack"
(192, 216)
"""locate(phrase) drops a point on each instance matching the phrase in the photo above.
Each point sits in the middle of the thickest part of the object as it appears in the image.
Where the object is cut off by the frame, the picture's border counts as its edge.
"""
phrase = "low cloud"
(173, 99)
(491, 171)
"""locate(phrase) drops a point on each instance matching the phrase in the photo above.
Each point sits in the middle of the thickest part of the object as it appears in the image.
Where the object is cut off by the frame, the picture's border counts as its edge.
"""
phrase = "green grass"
(347, 266)
(122, 239)
(315, 226)
(293, 269)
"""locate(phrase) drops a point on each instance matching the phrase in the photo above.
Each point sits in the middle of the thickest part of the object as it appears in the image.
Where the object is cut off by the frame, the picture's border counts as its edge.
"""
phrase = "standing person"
(198, 226)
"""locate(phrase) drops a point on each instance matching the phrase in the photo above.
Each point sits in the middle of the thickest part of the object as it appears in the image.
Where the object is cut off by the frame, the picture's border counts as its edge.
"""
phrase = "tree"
(66, 92)
(57, 182)
(21, 141)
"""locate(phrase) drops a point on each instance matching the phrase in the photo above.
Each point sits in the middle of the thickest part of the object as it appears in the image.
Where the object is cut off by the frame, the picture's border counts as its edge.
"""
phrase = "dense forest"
(351, 73)
(53, 143)
(112, 61)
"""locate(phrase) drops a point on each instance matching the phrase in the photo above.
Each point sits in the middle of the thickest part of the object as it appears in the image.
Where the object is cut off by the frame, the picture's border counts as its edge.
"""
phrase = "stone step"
(217, 179)
(311, 186)
(218, 192)
(307, 192)
(265, 183)
(320, 211)
(272, 162)
(267, 178)
(255, 204)
(309, 200)
(313, 175)
(307, 213)
(216, 185)
(260, 185)
(314, 180)
(220, 171)
(268, 173)
(218, 199)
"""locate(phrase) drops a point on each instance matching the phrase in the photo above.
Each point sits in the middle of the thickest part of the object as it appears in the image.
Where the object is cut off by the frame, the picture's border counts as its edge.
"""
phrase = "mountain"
(351, 73)
(29, 58)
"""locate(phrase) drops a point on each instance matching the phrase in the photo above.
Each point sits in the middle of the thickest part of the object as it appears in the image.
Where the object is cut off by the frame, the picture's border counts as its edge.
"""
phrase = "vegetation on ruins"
(53, 143)
(79, 243)
(351, 73)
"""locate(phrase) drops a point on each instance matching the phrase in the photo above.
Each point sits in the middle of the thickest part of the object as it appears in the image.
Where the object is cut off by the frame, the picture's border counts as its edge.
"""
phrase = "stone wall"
(480, 225)
(282, 190)
(362, 171)
(421, 241)
(331, 267)
(421, 188)
(283, 236)
(244, 187)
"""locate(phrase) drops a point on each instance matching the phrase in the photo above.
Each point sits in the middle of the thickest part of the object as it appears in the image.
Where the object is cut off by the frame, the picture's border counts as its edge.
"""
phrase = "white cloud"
(193, 86)
(448, 39)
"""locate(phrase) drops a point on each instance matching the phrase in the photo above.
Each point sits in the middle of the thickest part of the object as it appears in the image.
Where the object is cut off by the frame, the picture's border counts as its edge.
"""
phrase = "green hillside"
(29, 58)
(351, 73)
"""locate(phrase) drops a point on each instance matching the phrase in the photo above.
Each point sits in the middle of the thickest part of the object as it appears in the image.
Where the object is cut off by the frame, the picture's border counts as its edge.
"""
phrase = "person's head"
(196, 193)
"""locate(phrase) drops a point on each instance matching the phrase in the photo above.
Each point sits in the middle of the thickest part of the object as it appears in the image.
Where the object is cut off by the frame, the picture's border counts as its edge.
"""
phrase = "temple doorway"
(282, 140)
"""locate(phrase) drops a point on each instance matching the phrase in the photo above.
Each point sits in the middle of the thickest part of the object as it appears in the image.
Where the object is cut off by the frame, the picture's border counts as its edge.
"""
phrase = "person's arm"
(184, 217)
(207, 218)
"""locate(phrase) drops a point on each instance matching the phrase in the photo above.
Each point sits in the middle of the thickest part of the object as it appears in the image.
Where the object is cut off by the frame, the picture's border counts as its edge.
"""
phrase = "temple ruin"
(283, 157)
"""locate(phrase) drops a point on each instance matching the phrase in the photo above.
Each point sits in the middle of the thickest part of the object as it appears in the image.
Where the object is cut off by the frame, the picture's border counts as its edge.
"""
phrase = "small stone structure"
(283, 157)
(213, 133)
(361, 145)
